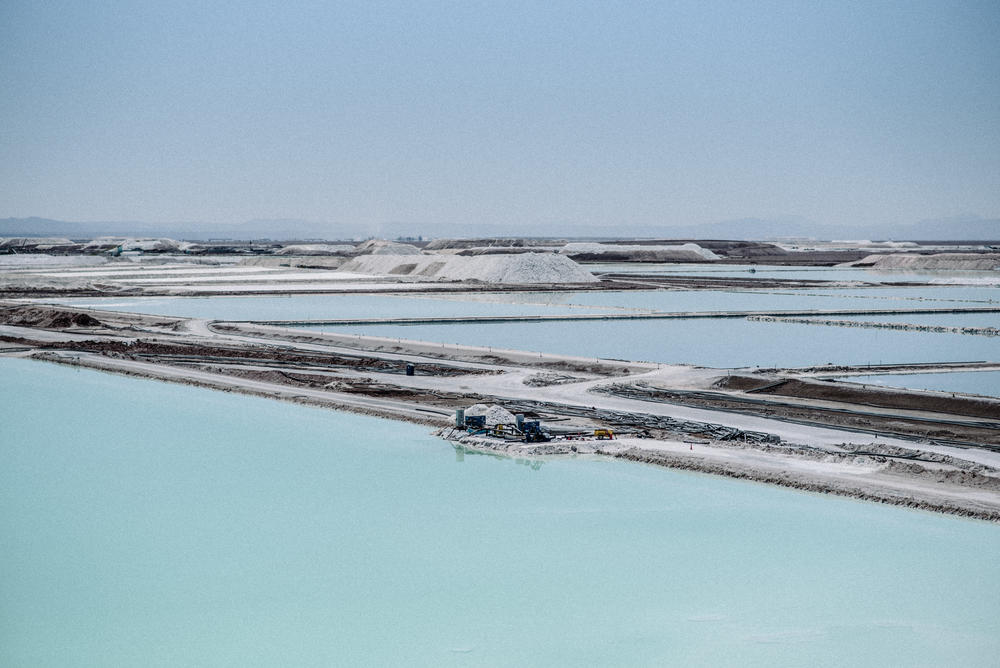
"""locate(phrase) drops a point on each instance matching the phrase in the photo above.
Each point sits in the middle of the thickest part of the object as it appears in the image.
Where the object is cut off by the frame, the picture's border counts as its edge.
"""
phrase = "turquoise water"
(986, 383)
(167, 525)
(730, 342)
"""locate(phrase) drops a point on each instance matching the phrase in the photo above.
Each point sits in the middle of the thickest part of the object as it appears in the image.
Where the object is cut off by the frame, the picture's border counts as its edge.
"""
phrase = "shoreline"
(869, 490)
(364, 375)
(872, 490)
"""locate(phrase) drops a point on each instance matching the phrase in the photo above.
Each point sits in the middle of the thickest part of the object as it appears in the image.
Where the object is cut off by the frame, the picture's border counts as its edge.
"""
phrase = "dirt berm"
(865, 395)
(46, 318)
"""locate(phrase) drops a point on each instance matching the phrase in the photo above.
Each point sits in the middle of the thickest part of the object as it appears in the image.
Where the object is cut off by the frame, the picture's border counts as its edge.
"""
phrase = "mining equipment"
(529, 431)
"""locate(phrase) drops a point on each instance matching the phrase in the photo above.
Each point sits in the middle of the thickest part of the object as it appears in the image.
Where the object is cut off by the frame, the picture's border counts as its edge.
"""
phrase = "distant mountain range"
(965, 228)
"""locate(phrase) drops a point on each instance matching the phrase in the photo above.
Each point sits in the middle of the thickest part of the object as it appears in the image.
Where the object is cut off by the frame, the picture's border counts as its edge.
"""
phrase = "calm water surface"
(986, 383)
(749, 300)
(324, 307)
(730, 342)
(815, 273)
(165, 525)
(316, 307)
(169, 525)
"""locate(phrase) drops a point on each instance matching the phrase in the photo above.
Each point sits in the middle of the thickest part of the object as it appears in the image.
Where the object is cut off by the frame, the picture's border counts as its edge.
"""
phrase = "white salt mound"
(687, 251)
(383, 247)
(494, 414)
(522, 268)
(316, 249)
(868, 243)
(35, 242)
(141, 244)
(961, 261)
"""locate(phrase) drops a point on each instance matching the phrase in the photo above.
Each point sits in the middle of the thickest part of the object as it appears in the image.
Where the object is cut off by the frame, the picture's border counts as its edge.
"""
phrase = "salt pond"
(986, 383)
(725, 343)
(170, 525)
(712, 342)
(314, 307)
(321, 307)
(795, 272)
(747, 300)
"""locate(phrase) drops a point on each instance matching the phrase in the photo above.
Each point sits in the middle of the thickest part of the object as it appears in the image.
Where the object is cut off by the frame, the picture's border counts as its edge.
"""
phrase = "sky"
(500, 113)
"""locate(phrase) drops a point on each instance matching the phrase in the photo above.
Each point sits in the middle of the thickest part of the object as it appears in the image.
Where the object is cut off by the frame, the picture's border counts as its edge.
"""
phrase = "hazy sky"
(504, 112)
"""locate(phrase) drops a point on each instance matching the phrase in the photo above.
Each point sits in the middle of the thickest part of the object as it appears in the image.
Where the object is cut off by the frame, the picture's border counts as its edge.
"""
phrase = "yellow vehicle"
(604, 434)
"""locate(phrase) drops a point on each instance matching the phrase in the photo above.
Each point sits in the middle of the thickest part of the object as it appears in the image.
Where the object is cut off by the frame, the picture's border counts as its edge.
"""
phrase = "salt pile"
(494, 414)
(316, 249)
(689, 251)
(523, 268)
(382, 247)
(132, 244)
(960, 261)
(39, 243)
(868, 243)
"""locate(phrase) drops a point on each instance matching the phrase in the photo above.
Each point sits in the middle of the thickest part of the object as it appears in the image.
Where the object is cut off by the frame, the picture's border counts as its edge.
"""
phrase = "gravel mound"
(523, 268)
(547, 378)
(46, 318)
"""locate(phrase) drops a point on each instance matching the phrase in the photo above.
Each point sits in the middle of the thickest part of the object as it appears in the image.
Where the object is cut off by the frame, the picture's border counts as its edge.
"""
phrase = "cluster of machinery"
(529, 431)
(520, 429)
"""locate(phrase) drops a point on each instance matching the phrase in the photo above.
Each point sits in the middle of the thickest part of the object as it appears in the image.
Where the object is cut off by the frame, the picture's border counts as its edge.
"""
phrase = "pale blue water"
(926, 293)
(780, 272)
(316, 307)
(730, 342)
(320, 307)
(166, 525)
(748, 300)
(986, 383)
(738, 271)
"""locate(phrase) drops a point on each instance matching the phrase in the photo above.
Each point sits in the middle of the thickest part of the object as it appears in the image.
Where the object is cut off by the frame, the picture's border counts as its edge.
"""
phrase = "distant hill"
(256, 229)
(971, 228)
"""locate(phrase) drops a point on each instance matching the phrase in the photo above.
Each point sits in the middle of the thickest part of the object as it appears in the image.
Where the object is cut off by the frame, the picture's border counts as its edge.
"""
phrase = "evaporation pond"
(333, 306)
(986, 383)
(323, 307)
(170, 525)
(779, 272)
(715, 342)
(761, 300)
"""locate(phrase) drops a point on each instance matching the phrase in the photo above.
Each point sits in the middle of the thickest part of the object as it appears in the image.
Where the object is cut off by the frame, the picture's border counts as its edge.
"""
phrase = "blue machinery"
(529, 431)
